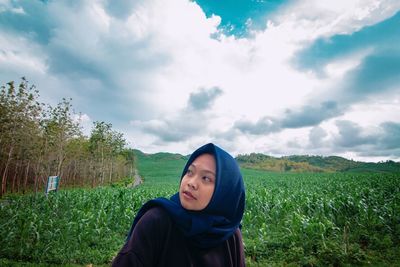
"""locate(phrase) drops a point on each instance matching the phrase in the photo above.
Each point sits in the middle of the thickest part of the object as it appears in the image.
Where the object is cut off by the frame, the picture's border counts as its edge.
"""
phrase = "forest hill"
(306, 163)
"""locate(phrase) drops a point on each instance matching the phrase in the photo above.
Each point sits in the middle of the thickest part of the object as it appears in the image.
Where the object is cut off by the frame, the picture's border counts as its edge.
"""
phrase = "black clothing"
(157, 241)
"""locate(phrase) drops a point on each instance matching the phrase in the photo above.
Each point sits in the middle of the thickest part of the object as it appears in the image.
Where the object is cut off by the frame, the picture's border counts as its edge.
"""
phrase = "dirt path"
(137, 180)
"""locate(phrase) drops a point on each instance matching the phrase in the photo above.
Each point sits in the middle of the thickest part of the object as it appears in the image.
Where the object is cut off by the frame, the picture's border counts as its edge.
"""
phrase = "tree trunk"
(4, 178)
(60, 162)
(111, 170)
(86, 174)
(74, 173)
(102, 165)
(93, 173)
(26, 177)
(14, 177)
(36, 174)
(19, 178)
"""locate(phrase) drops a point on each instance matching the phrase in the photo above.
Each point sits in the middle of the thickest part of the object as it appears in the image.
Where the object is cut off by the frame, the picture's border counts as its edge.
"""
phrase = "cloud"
(316, 137)
(390, 139)
(349, 139)
(204, 98)
(380, 140)
(311, 115)
(188, 123)
(265, 125)
(378, 70)
(140, 61)
(31, 19)
(108, 57)
(82, 51)
(167, 130)
(377, 73)
(381, 36)
(314, 19)
(351, 135)
(121, 9)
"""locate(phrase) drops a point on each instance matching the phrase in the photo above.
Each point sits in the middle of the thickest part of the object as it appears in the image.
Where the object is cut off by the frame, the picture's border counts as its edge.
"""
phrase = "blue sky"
(277, 77)
(240, 16)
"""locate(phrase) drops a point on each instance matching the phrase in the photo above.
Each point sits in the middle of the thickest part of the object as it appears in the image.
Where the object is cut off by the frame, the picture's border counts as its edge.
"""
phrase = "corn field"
(323, 219)
(300, 219)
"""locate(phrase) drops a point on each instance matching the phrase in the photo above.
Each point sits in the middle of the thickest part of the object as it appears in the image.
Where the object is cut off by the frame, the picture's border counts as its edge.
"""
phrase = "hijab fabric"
(221, 217)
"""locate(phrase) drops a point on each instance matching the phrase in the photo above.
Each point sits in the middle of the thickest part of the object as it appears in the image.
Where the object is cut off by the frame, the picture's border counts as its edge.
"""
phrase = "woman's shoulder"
(156, 212)
(235, 244)
(156, 216)
(147, 240)
(236, 237)
(153, 224)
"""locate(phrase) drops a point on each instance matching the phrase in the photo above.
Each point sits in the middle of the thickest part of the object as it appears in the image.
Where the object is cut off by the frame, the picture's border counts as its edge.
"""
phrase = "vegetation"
(79, 226)
(160, 168)
(37, 141)
(316, 211)
(309, 219)
(322, 219)
(307, 163)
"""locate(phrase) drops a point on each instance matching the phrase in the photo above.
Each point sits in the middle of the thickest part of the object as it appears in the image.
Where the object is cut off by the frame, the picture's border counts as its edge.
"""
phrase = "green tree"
(19, 110)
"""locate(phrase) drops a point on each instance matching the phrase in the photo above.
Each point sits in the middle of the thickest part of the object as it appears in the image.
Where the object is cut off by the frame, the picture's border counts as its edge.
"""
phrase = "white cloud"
(84, 121)
(143, 63)
(18, 53)
(316, 18)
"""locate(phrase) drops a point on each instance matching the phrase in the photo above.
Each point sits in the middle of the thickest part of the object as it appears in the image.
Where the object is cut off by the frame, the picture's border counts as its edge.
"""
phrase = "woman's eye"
(189, 172)
(207, 179)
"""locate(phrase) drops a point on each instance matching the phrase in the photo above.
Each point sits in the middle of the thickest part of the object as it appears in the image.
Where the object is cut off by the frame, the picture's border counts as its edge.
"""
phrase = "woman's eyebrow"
(192, 165)
(204, 170)
(210, 172)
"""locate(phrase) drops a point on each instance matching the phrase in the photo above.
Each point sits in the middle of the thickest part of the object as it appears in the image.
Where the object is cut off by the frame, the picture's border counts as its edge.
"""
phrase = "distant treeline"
(306, 163)
(296, 163)
(38, 140)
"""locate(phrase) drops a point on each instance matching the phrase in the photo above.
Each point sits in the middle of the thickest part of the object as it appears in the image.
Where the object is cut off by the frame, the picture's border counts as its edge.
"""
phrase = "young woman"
(199, 225)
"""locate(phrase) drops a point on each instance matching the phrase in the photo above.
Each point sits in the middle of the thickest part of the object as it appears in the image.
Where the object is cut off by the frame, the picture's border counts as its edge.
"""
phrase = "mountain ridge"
(293, 163)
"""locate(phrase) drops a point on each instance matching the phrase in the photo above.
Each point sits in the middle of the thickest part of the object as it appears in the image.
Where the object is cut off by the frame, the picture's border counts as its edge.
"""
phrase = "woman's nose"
(193, 183)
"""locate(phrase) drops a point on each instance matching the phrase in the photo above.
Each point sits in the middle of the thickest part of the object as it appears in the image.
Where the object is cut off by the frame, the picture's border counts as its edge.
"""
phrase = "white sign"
(52, 183)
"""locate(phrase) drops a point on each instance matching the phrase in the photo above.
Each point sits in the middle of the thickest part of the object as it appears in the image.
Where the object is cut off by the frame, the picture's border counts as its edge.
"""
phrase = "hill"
(294, 163)
(264, 162)
(168, 170)
(306, 163)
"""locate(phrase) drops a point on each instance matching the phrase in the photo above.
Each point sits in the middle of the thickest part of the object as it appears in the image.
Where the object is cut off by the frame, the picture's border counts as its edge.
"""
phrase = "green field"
(328, 219)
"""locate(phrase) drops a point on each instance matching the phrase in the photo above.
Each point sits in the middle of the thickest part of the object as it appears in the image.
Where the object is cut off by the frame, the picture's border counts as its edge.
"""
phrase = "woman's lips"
(189, 195)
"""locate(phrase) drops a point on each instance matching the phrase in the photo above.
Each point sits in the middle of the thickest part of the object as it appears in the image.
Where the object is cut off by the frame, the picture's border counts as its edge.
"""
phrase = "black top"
(156, 241)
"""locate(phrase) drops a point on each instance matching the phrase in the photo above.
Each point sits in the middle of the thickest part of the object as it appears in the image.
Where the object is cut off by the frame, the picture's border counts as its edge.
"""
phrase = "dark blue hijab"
(220, 219)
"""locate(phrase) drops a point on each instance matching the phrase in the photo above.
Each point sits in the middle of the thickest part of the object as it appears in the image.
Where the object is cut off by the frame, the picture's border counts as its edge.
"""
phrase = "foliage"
(160, 168)
(322, 219)
(71, 226)
(306, 214)
(291, 219)
(19, 131)
(335, 163)
(37, 141)
(305, 163)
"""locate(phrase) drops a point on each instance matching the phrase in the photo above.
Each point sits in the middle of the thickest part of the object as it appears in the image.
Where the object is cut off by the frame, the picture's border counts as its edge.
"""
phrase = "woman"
(198, 226)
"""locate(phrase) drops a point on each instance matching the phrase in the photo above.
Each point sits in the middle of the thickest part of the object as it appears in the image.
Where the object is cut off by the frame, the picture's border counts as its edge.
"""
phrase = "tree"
(19, 111)
(36, 142)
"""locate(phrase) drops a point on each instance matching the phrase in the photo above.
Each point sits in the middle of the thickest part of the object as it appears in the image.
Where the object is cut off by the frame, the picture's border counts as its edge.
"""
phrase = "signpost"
(52, 184)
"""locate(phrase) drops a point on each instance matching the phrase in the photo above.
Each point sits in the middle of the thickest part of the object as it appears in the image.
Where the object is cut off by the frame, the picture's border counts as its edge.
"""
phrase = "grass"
(336, 219)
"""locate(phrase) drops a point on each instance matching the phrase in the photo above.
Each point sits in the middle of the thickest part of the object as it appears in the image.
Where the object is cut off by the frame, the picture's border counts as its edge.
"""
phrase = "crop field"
(290, 219)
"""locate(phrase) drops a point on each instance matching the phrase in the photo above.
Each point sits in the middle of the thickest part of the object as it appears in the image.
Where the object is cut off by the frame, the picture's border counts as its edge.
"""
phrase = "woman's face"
(197, 186)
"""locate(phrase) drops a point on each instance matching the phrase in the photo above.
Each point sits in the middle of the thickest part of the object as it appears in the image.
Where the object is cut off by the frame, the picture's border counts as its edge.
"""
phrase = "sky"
(279, 77)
